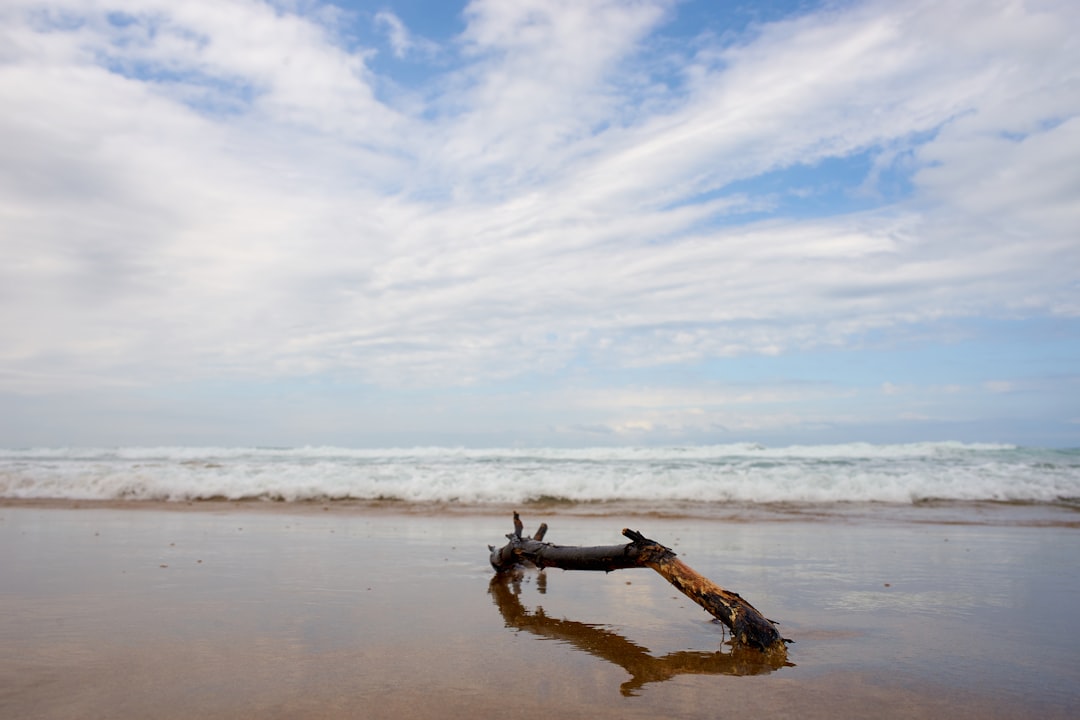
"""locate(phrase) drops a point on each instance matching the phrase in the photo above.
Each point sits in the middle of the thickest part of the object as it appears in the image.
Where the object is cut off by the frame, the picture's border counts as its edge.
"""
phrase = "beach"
(284, 610)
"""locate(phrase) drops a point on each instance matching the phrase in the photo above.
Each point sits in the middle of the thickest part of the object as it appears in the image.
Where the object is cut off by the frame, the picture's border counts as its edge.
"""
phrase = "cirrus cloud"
(225, 189)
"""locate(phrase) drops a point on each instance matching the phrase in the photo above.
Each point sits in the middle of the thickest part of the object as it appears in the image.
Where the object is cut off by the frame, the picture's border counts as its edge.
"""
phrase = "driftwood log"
(749, 628)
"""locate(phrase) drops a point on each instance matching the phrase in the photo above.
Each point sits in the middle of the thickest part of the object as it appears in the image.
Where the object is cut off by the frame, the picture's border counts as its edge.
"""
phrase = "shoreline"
(1063, 514)
(137, 611)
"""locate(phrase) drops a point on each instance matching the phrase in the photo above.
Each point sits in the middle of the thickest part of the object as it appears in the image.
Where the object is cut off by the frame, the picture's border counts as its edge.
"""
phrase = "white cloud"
(402, 41)
(216, 188)
(400, 38)
(888, 388)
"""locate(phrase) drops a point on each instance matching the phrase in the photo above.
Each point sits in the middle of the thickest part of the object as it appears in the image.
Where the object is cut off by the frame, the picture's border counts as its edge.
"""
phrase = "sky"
(539, 222)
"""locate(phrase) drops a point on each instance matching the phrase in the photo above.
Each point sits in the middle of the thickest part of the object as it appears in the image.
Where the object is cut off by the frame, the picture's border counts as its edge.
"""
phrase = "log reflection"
(617, 650)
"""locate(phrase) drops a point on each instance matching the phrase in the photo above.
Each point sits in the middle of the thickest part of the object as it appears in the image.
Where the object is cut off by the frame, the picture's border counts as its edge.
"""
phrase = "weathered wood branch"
(749, 628)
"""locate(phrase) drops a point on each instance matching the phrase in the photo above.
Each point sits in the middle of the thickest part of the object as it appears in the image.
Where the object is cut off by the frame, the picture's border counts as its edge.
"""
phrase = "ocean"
(698, 479)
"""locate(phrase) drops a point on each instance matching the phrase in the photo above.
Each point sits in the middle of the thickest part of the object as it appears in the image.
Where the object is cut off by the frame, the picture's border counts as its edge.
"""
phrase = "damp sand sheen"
(220, 609)
(920, 580)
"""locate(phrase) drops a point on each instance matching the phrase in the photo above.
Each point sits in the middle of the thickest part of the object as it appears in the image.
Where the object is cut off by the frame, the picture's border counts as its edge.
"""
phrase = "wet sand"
(232, 611)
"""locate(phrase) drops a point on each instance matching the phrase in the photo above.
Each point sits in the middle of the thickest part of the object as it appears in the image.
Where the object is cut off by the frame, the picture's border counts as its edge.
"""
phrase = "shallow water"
(230, 612)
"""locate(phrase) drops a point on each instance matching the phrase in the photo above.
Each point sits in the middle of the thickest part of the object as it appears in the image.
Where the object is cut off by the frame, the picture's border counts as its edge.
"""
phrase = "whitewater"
(718, 474)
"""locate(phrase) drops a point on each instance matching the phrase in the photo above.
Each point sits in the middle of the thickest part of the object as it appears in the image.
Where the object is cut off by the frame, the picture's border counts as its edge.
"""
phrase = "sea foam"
(736, 473)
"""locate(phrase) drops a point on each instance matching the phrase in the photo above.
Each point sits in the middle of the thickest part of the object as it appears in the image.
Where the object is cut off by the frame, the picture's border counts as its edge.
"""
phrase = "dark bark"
(749, 628)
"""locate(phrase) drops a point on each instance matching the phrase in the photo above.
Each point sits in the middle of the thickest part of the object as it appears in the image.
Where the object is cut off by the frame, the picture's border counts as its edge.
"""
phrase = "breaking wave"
(736, 473)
